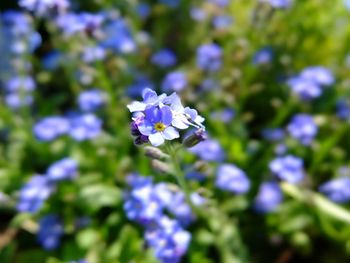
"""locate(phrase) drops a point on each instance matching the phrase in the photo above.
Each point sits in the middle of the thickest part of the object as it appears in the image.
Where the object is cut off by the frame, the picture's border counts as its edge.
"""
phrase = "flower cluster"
(309, 83)
(40, 187)
(50, 231)
(288, 168)
(338, 190)
(303, 128)
(158, 118)
(230, 178)
(269, 197)
(146, 203)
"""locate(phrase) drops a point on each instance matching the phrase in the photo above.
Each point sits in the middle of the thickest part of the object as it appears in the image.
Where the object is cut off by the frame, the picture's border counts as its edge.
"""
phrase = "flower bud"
(161, 166)
(195, 138)
(155, 153)
(141, 139)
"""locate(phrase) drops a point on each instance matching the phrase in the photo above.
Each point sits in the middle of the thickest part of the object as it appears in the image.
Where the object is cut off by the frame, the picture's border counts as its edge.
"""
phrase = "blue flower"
(209, 150)
(50, 232)
(198, 14)
(72, 23)
(118, 37)
(230, 178)
(93, 54)
(343, 109)
(91, 100)
(225, 115)
(278, 3)
(209, 57)
(20, 84)
(263, 56)
(338, 190)
(174, 81)
(85, 127)
(288, 168)
(62, 170)
(303, 128)
(34, 193)
(50, 128)
(16, 101)
(164, 58)
(222, 21)
(45, 7)
(220, 3)
(273, 134)
(269, 197)
(157, 125)
(310, 82)
(168, 240)
(170, 3)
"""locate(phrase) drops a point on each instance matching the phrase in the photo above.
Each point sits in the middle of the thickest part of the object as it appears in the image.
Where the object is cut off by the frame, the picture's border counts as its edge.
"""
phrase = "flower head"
(288, 168)
(303, 128)
(209, 57)
(230, 178)
(338, 190)
(50, 232)
(269, 197)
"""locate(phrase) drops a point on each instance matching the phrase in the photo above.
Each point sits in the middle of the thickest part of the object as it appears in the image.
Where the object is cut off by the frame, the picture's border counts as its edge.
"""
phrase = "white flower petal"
(136, 106)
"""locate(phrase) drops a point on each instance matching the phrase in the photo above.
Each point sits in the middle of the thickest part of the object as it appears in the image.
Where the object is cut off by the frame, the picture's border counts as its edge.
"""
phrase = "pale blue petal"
(156, 139)
(136, 106)
(170, 133)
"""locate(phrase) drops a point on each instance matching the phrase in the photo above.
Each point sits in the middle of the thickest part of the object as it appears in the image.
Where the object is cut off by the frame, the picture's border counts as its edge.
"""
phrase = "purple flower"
(230, 178)
(65, 169)
(288, 168)
(209, 57)
(164, 58)
(338, 190)
(91, 100)
(85, 127)
(225, 115)
(156, 125)
(320, 75)
(50, 128)
(34, 193)
(50, 232)
(269, 197)
(174, 81)
(198, 14)
(209, 150)
(263, 56)
(72, 23)
(303, 128)
(170, 3)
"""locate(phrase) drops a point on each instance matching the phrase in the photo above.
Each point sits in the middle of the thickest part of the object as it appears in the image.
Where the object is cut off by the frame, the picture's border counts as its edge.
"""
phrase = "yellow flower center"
(159, 126)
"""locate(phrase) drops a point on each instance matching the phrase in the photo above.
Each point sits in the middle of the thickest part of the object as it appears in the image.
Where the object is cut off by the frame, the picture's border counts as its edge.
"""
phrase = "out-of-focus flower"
(288, 168)
(15, 100)
(198, 14)
(85, 127)
(209, 150)
(72, 23)
(118, 37)
(50, 232)
(338, 190)
(64, 169)
(143, 10)
(20, 84)
(34, 193)
(343, 109)
(225, 115)
(310, 82)
(174, 81)
(91, 100)
(273, 134)
(269, 197)
(45, 7)
(168, 240)
(209, 57)
(278, 3)
(220, 3)
(52, 60)
(303, 128)
(222, 21)
(263, 56)
(92, 54)
(230, 178)
(50, 128)
(164, 58)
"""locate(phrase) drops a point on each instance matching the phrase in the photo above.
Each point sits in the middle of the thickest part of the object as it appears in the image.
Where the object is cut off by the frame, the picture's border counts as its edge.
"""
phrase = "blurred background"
(81, 182)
